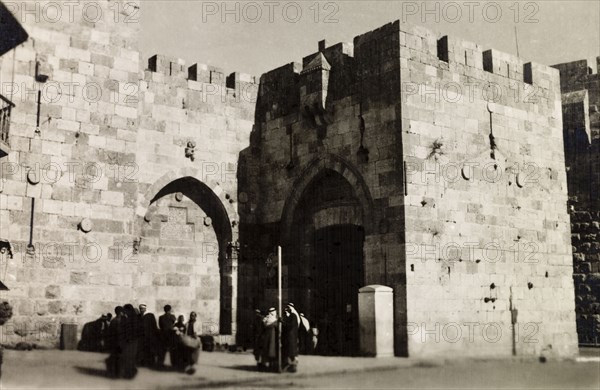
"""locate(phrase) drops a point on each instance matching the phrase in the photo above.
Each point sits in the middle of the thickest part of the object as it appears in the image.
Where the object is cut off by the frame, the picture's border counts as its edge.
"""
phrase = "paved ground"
(71, 369)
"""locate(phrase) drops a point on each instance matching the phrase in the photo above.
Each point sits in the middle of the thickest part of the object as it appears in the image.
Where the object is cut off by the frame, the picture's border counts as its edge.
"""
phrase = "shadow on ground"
(241, 367)
(92, 371)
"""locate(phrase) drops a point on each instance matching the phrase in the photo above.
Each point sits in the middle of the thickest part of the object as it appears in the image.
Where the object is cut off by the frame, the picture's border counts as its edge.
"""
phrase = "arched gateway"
(324, 225)
(186, 231)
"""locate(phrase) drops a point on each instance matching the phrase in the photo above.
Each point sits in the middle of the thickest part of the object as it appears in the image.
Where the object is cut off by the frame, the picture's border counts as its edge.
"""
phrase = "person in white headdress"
(289, 338)
(269, 340)
(293, 310)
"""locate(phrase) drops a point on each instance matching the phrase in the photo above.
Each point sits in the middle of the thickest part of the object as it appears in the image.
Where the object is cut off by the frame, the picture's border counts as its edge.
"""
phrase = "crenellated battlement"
(442, 51)
(176, 67)
(580, 67)
(576, 75)
(373, 62)
(463, 56)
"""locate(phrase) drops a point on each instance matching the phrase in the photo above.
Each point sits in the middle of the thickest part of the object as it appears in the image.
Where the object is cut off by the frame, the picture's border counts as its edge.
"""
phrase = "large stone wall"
(399, 103)
(112, 149)
(487, 228)
(170, 165)
(581, 124)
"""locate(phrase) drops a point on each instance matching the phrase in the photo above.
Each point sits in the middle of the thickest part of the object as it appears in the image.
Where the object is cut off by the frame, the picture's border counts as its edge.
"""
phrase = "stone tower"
(581, 124)
(421, 163)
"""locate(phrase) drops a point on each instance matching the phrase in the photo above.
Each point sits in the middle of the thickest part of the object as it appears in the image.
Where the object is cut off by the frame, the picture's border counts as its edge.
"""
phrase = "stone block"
(79, 277)
(177, 280)
(52, 292)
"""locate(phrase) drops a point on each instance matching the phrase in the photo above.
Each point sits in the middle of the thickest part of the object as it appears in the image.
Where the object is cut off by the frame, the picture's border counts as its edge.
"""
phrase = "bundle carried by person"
(189, 341)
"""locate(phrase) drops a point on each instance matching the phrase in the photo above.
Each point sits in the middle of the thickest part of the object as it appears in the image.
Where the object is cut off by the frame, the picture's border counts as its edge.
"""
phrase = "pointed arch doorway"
(324, 260)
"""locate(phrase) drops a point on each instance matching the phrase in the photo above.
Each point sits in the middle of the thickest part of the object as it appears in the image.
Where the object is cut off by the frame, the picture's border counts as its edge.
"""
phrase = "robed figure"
(269, 343)
(150, 340)
(166, 322)
(289, 339)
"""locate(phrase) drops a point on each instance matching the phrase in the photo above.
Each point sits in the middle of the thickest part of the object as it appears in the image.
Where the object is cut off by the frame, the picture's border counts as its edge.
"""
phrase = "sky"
(257, 36)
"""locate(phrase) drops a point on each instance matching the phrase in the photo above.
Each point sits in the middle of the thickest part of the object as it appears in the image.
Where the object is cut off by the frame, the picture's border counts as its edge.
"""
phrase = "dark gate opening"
(337, 276)
(324, 262)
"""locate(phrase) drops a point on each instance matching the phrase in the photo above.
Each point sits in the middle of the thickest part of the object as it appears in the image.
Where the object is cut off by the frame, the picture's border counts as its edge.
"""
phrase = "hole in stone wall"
(527, 74)
(488, 61)
(529, 285)
(412, 268)
(478, 261)
(442, 49)
(546, 274)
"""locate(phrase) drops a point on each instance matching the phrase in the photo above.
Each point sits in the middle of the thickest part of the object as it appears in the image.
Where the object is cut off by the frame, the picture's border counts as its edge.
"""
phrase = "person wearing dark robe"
(166, 323)
(105, 326)
(257, 331)
(91, 336)
(289, 339)
(304, 336)
(114, 339)
(177, 351)
(148, 348)
(131, 330)
(269, 350)
(102, 329)
(140, 350)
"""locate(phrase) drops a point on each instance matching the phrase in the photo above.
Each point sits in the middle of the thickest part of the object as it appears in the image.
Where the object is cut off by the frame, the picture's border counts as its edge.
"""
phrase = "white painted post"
(376, 320)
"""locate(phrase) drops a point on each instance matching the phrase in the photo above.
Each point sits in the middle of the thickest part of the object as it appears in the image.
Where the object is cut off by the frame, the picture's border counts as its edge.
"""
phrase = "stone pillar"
(376, 320)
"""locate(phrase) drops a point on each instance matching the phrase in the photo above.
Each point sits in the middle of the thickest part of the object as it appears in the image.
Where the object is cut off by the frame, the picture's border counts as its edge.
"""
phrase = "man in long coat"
(129, 342)
(150, 338)
(166, 322)
(114, 340)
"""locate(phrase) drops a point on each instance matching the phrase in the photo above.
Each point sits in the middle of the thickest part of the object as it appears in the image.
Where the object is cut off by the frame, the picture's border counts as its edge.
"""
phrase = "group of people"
(134, 338)
(94, 336)
(297, 337)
